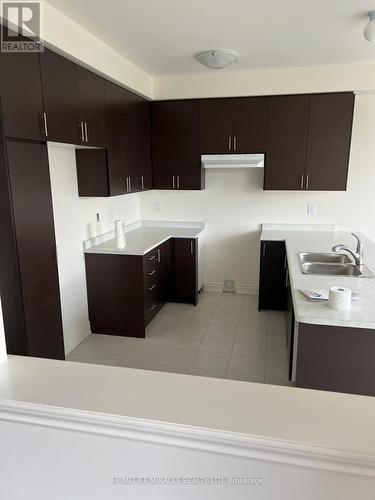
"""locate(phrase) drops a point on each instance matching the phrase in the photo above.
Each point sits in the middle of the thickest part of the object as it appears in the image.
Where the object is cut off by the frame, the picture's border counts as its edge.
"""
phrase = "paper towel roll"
(120, 234)
(340, 298)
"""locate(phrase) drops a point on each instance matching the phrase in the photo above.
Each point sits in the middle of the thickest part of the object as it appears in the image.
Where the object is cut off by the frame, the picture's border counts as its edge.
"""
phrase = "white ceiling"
(161, 36)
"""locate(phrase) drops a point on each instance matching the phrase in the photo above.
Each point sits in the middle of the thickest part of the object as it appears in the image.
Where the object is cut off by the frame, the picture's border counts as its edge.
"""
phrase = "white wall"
(73, 216)
(267, 82)
(234, 204)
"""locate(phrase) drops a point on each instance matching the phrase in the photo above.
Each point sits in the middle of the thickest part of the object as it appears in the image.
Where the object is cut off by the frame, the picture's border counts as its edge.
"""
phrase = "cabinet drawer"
(151, 262)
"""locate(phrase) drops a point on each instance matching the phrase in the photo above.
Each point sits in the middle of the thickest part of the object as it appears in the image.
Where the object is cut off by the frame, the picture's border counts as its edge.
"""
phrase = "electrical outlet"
(311, 209)
(157, 206)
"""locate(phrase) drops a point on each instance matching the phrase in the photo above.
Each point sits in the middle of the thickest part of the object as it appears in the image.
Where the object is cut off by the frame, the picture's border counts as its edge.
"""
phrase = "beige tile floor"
(224, 336)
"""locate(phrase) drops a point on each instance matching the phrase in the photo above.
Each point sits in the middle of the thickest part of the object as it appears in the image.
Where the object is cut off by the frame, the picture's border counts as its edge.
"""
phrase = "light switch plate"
(311, 209)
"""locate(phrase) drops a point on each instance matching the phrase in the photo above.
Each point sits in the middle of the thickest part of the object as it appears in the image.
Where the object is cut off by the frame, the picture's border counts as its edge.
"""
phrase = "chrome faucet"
(357, 255)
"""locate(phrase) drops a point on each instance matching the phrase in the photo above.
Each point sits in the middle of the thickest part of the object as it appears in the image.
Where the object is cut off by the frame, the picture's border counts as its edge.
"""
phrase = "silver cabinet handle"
(286, 277)
(159, 255)
(173, 184)
(152, 307)
(285, 263)
(130, 183)
(307, 181)
(82, 131)
(151, 273)
(178, 182)
(235, 143)
(191, 248)
(302, 178)
(142, 183)
(86, 132)
(229, 143)
(152, 258)
(152, 287)
(264, 250)
(45, 124)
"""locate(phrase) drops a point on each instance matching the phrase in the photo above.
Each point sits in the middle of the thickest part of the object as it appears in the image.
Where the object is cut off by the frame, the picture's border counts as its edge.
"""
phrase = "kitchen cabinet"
(91, 99)
(336, 358)
(34, 293)
(288, 123)
(329, 137)
(185, 276)
(237, 125)
(273, 276)
(137, 143)
(309, 142)
(176, 162)
(59, 77)
(93, 175)
(216, 126)
(21, 96)
(125, 292)
(250, 118)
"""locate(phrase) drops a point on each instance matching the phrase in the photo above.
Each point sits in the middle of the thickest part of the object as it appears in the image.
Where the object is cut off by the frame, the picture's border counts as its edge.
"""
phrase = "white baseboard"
(216, 286)
(72, 339)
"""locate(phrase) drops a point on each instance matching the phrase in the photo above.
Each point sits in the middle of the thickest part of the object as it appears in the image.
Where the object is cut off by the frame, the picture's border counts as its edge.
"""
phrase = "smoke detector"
(217, 58)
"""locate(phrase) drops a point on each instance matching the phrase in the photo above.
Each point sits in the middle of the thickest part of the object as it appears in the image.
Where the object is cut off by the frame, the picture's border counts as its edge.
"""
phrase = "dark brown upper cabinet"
(250, 117)
(288, 123)
(216, 126)
(91, 99)
(176, 162)
(236, 125)
(137, 143)
(329, 138)
(21, 96)
(309, 142)
(59, 77)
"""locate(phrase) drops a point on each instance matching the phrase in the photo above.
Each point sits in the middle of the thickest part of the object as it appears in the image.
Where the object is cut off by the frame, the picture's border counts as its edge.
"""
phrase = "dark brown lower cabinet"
(333, 358)
(185, 271)
(28, 268)
(125, 292)
(273, 276)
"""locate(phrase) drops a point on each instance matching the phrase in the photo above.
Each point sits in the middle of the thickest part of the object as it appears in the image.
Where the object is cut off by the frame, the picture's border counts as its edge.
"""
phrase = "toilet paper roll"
(120, 234)
(340, 298)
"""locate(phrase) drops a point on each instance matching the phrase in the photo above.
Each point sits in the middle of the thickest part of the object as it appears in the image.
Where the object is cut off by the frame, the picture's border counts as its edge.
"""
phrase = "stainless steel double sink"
(332, 264)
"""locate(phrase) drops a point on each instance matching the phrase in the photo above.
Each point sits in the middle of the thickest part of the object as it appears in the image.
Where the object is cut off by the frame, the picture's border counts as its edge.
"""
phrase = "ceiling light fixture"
(370, 27)
(217, 58)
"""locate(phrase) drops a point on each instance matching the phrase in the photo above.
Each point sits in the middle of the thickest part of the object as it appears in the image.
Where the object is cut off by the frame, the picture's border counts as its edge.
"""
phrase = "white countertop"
(143, 237)
(318, 418)
(362, 313)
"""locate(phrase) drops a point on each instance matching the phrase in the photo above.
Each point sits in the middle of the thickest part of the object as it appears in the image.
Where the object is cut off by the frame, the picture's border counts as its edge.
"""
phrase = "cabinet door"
(330, 129)
(187, 145)
(91, 96)
(21, 96)
(137, 143)
(41, 299)
(59, 77)
(115, 112)
(250, 118)
(287, 142)
(185, 270)
(165, 258)
(216, 126)
(273, 278)
(163, 145)
(32, 208)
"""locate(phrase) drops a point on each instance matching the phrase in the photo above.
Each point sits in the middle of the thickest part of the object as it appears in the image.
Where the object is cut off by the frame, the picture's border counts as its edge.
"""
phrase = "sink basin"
(333, 258)
(329, 269)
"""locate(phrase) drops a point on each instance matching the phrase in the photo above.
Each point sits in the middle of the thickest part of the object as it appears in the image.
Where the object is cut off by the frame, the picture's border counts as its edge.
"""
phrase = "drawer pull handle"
(152, 307)
(151, 273)
(152, 258)
(152, 287)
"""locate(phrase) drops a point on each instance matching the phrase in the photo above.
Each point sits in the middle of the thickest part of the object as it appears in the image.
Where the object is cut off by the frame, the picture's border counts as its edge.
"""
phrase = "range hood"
(233, 161)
